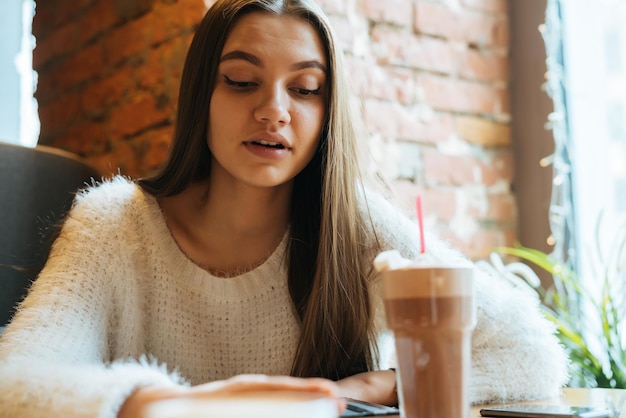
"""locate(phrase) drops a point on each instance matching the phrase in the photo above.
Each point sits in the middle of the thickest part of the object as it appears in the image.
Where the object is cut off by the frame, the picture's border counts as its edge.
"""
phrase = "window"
(594, 80)
(19, 122)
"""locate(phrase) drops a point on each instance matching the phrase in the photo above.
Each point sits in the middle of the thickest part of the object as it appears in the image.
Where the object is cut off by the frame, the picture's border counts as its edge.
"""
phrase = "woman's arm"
(515, 353)
(376, 386)
(56, 354)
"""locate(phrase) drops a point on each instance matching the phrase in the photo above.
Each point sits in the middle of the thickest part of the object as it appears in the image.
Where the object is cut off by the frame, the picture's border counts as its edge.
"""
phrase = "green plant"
(589, 315)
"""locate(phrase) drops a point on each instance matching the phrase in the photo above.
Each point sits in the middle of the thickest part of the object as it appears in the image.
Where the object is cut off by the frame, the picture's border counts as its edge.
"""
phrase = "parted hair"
(328, 281)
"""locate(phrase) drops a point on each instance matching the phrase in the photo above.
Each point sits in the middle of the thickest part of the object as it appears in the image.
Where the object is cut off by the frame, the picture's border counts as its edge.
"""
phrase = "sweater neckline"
(193, 272)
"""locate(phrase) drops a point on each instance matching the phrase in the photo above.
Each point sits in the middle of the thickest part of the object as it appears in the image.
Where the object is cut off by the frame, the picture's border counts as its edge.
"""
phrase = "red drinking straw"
(420, 221)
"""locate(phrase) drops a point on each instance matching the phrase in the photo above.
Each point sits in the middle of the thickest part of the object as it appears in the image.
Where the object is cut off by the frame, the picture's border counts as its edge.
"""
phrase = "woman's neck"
(228, 229)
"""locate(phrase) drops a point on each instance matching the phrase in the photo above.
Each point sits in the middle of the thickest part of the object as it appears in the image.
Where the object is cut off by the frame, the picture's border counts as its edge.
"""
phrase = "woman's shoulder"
(116, 189)
(109, 200)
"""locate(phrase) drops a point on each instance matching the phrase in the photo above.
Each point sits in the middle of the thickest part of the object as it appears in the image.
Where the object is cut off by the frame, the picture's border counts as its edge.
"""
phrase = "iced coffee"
(430, 310)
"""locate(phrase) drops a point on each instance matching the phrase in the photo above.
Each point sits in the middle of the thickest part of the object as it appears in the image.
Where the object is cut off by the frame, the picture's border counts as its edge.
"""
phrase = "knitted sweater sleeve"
(54, 355)
(515, 353)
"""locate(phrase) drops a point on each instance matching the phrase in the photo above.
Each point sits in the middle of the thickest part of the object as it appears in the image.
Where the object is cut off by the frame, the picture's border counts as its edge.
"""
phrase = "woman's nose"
(273, 107)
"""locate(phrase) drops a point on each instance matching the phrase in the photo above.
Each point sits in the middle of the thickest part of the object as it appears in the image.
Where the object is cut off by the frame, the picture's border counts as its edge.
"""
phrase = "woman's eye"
(242, 85)
(307, 92)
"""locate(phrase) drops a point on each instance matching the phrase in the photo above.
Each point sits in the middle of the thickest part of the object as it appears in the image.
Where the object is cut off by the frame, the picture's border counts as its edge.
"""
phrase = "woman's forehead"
(275, 34)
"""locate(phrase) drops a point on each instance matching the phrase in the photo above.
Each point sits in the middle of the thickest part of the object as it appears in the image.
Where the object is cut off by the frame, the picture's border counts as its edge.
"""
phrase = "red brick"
(140, 113)
(179, 16)
(135, 37)
(502, 165)
(404, 193)
(84, 65)
(162, 70)
(357, 75)
(397, 12)
(483, 66)
(126, 159)
(483, 132)
(100, 94)
(153, 148)
(444, 93)
(439, 203)
(400, 48)
(130, 10)
(47, 88)
(58, 114)
(121, 159)
(465, 26)
(46, 19)
(50, 15)
(442, 214)
(501, 208)
(58, 43)
(488, 169)
(487, 6)
(346, 34)
(174, 59)
(100, 17)
(86, 138)
(476, 203)
(385, 83)
(408, 123)
(437, 170)
(333, 6)
(103, 163)
(480, 244)
(65, 74)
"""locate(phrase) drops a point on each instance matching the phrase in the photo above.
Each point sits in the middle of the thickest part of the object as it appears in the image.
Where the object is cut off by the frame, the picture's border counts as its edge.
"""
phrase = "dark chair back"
(37, 187)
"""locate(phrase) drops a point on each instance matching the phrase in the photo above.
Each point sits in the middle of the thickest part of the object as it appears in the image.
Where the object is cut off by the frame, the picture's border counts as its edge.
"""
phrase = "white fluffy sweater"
(119, 306)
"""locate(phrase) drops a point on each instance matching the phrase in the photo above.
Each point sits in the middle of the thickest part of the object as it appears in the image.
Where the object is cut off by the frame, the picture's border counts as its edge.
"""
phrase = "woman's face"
(269, 101)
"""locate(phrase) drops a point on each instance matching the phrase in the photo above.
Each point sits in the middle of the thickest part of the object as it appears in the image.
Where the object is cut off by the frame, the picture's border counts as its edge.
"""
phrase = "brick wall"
(432, 76)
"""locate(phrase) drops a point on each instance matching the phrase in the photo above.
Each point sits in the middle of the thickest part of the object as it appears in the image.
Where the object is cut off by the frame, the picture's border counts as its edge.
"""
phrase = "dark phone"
(546, 411)
(358, 408)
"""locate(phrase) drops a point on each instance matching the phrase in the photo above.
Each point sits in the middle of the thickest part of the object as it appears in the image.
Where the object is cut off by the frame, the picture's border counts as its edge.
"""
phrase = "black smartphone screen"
(546, 411)
(358, 408)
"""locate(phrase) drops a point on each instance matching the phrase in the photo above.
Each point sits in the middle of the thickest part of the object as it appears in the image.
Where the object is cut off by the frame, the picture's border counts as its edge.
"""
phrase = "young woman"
(250, 252)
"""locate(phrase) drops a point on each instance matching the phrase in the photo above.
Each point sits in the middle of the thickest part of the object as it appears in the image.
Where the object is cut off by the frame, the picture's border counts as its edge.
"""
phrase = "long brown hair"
(328, 282)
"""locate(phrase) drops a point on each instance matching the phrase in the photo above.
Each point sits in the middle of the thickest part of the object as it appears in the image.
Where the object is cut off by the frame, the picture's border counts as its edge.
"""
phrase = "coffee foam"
(393, 260)
(425, 282)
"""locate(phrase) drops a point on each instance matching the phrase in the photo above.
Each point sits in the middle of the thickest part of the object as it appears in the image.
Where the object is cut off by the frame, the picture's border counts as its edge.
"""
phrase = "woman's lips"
(266, 150)
(269, 139)
(268, 145)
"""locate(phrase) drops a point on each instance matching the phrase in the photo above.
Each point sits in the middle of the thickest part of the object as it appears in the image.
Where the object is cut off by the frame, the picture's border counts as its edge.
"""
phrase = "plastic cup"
(431, 313)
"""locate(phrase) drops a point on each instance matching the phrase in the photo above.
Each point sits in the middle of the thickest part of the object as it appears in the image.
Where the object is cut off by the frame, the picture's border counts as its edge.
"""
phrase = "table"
(576, 397)
(180, 408)
(580, 397)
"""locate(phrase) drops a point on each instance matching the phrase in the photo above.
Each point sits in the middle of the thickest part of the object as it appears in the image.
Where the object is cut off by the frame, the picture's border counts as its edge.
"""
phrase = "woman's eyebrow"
(254, 60)
(308, 64)
(240, 55)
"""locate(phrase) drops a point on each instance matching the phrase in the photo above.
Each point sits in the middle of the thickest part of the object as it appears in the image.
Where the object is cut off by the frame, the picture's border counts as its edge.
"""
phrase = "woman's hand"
(377, 387)
(136, 403)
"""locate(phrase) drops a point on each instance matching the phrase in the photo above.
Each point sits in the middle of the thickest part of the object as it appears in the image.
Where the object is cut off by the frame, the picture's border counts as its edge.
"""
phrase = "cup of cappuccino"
(269, 404)
(430, 310)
